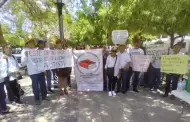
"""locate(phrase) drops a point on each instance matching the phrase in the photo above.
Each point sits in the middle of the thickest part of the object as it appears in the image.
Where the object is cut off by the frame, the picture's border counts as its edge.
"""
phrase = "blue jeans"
(3, 106)
(48, 79)
(39, 86)
(154, 79)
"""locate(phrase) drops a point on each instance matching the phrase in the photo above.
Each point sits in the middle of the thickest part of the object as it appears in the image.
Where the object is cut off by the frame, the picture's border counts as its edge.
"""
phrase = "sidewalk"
(97, 107)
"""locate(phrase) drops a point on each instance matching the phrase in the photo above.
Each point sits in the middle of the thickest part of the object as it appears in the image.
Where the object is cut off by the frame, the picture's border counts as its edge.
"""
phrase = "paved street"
(97, 107)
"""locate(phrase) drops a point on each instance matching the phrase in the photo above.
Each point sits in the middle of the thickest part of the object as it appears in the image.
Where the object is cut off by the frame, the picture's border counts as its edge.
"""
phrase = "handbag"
(110, 71)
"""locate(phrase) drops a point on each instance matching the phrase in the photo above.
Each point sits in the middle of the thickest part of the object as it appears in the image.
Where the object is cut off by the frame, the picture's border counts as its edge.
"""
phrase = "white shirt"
(134, 51)
(124, 58)
(13, 67)
(156, 63)
(3, 69)
(111, 62)
(31, 66)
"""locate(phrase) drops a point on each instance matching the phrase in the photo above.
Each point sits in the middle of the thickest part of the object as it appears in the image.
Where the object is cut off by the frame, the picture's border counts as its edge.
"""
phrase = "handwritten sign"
(51, 59)
(141, 62)
(156, 50)
(119, 36)
(176, 64)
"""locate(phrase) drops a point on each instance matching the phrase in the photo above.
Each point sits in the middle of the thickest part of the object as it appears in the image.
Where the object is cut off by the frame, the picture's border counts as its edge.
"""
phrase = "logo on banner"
(88, 63)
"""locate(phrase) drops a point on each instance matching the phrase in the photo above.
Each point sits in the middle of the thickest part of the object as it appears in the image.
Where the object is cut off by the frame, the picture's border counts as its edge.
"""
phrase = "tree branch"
(180, 35)
(2, 3)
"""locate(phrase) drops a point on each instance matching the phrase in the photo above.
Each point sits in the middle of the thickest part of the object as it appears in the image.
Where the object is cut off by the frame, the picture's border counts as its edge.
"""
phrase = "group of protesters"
(119, 69)
(118, 72)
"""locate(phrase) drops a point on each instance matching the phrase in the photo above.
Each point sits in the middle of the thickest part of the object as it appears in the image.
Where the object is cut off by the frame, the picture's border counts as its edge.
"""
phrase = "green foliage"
(94, 20)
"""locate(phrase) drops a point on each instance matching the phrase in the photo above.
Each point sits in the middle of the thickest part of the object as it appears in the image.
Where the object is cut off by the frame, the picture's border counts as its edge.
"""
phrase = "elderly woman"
(112, 71)
(62, 73)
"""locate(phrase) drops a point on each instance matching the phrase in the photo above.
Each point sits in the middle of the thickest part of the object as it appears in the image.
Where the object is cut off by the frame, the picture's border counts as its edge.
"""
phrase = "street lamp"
(60, 4)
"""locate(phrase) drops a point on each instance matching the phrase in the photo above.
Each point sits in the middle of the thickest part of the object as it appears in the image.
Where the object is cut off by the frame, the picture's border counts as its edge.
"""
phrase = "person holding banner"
(124, 61)
(136, 50)
(173, 78)
(37, 77)
(112, 71)
(62, 73)
(3, 75)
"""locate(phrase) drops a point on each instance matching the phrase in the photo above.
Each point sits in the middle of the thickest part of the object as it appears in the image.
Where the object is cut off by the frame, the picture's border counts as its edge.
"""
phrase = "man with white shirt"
(125, 60)
(37, 77)
(3, 74)
(12, 72)
(136, 50)
(154, 80)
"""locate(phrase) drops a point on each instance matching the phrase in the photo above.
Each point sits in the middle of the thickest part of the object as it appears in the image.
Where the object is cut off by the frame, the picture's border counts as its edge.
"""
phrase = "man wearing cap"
(124, 61)
(37, 77)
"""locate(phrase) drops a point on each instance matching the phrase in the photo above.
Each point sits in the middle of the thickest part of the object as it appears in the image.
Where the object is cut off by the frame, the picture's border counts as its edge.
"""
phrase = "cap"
(41, 41)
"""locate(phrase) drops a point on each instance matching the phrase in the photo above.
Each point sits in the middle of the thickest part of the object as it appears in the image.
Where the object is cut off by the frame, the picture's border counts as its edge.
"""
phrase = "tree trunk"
(172, 39)
(2, 40)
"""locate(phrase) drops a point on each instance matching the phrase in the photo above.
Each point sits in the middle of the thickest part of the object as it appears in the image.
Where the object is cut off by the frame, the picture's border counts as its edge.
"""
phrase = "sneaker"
(113, 92)
(19, 102)
(118, 91)
(51, 91)
(37, 102)
(110, 93)
(136, 90)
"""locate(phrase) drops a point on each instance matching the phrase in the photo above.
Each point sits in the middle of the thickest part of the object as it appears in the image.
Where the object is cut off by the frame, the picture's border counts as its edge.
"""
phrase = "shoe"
(113, 93)
(37, 102)
(5, 112)
(46, 99)
(118, 91)
(124, 92)
(66, 92)
(165, 95)
(172, 97)
(19, 102)
(136, 90)
(50, 90)
(110, 94)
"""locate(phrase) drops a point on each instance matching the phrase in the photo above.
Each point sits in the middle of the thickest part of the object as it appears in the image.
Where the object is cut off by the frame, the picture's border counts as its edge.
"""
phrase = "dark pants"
(12, 91)
(39, 86)
(111, 83)
(69, 77)
(48, 79)
(105, 80)
(171, 78)
(154, 78)
(3, 106)
(135, 78)
(122, 84)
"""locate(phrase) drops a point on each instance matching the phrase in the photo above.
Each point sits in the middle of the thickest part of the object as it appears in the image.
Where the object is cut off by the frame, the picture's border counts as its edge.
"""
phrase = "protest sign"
(141, 62)
(119, 36)
(51, 59)
(176, 64)
(89, 69)
(156, 50)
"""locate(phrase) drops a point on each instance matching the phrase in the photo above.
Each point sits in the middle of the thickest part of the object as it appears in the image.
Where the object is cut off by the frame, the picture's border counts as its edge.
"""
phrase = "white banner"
(51, 59)
(119, 36)
(156, 50)
(89, 69)
(141, 62)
